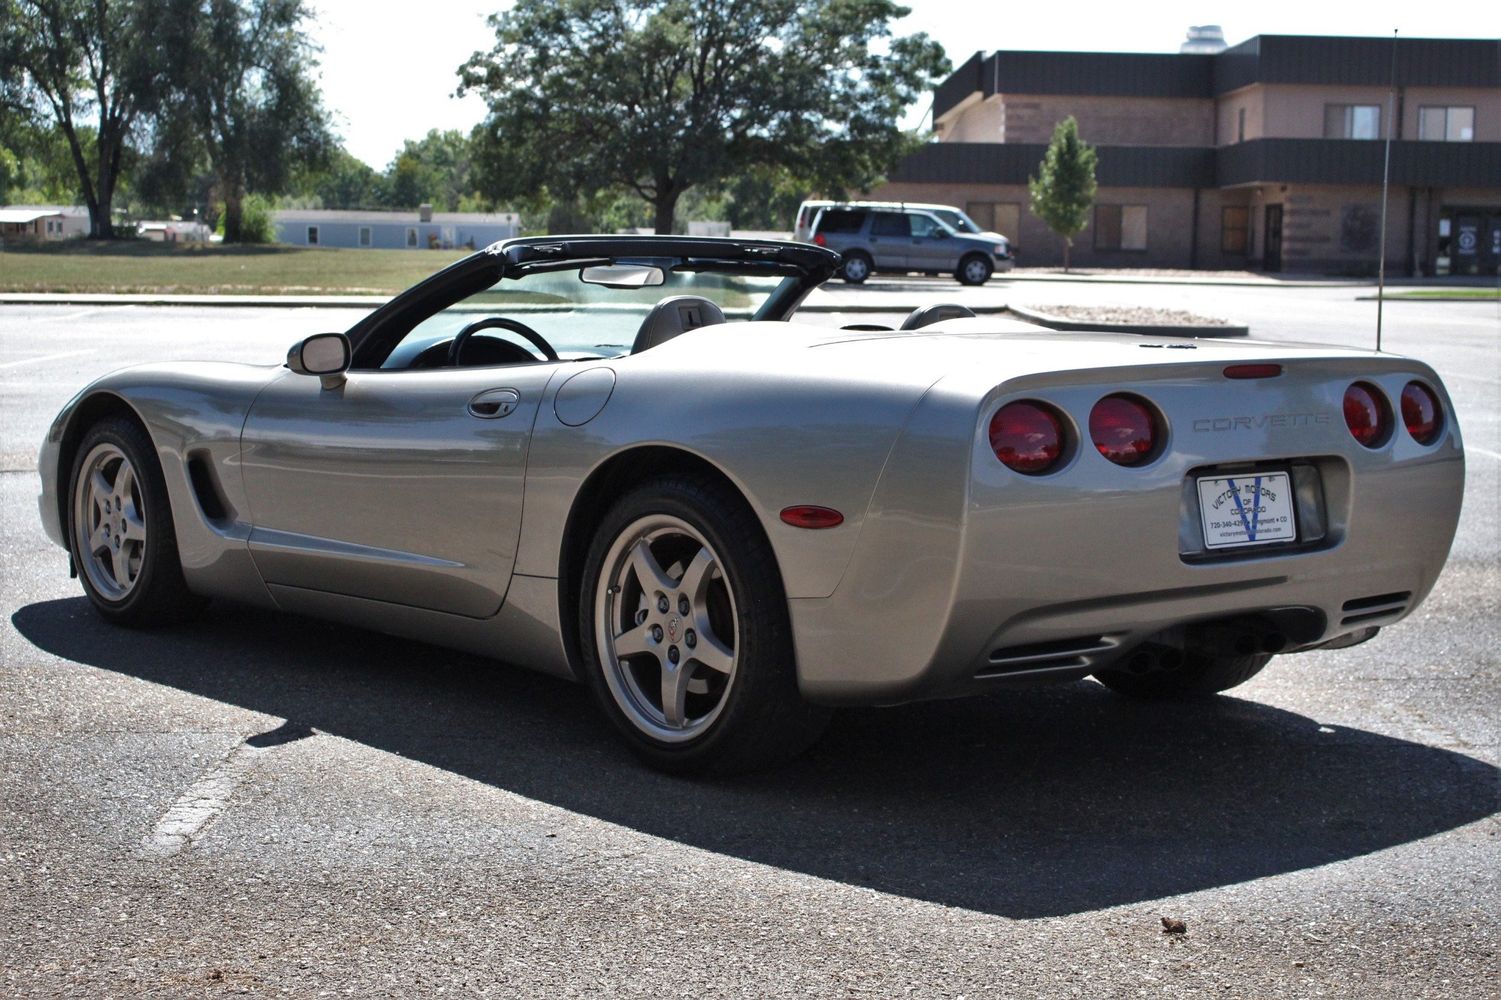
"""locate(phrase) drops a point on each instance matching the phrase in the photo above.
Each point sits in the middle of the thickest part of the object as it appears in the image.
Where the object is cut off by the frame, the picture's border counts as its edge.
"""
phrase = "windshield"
(958, 220)
(578, 319)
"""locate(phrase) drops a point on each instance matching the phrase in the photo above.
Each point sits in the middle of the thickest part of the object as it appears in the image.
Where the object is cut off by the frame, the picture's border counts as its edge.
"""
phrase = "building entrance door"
(1272, 242)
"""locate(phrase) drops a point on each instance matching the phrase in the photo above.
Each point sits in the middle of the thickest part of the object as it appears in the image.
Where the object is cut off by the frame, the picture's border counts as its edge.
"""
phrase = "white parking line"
(44, 318)
(45, 357)
(199, 806)
(1483, 451)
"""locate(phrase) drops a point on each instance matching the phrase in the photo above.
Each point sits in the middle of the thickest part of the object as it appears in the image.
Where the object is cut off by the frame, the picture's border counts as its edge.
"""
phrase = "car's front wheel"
(857, 267)
(120, 529)
(1197, 675)
(685, 635)
(974, 270)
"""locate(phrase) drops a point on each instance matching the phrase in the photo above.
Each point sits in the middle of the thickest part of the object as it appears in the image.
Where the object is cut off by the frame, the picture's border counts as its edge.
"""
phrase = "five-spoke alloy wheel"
(665, 627)
(684, 632)
(120, 528)
(107, 516)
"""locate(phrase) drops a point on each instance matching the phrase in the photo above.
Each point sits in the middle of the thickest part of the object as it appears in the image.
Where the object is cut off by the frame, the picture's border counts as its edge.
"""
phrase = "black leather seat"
(672, 316)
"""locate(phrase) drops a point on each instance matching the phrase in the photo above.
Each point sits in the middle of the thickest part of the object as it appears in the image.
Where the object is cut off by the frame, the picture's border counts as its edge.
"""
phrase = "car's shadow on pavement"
(1027, 804)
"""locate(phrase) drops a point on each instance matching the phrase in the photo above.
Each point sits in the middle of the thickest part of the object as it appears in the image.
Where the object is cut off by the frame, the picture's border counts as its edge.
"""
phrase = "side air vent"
(1062, 654)
(206, 489)
(1379, 606)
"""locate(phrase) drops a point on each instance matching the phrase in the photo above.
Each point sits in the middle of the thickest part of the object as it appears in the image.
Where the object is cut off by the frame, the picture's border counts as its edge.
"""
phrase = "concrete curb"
(1426, 298)
(1126, 279)
(1085, 326)
(212, 301)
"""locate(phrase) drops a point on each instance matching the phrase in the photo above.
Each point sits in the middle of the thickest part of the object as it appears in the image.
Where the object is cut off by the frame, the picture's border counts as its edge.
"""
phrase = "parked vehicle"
(906, 239)
(623, 460)
(957, 219)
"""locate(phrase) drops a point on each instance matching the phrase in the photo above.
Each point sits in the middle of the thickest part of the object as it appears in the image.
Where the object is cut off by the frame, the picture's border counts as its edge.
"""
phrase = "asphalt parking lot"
(262, 804)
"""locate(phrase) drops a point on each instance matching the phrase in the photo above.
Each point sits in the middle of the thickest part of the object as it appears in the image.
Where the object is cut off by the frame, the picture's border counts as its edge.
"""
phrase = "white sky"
(389, 69)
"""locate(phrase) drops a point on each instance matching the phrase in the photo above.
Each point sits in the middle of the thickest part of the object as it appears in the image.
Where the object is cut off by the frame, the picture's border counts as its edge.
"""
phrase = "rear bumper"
(959, 588)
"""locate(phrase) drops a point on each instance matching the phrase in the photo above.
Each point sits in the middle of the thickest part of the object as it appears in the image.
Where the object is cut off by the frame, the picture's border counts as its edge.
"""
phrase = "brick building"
(1265, 155)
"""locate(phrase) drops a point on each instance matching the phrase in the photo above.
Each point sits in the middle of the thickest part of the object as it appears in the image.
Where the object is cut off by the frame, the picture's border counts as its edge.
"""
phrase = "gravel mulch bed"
(1135, 315)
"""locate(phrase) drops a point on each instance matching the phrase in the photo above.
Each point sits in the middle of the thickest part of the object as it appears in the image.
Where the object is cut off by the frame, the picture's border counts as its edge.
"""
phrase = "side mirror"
(325, 355)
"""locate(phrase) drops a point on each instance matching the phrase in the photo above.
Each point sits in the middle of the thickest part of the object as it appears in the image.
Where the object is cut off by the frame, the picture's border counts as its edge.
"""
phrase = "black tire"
(148, 587)
(857, 267)
(744, 712)
(974, 269)
(1199, 676)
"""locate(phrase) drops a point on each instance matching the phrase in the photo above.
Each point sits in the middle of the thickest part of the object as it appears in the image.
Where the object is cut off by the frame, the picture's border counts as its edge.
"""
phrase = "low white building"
(423, 229)
(43, 223)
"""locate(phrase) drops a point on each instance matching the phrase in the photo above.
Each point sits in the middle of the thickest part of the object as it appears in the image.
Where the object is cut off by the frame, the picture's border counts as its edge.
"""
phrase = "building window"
(364, 236)
(1352, 121)
(312, 236)
(1120, 227)
(1446, 124)
(1235, 229)
(1240, 125)
(1002, 217)
(411, 236)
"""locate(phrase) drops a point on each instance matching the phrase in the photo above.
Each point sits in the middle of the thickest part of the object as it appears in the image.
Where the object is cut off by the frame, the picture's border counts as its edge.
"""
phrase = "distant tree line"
(604, 114)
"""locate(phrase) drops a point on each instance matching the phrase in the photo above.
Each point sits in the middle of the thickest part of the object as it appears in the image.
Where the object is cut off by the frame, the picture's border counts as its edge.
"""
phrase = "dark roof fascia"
(1313, 60)
(1100, 74)
(1013, 163)
(1292, 59)
(966, 80)
(1358, 161)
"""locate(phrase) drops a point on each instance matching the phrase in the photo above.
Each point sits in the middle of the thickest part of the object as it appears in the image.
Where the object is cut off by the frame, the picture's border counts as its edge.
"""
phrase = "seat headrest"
(936, 313)
(672, 316)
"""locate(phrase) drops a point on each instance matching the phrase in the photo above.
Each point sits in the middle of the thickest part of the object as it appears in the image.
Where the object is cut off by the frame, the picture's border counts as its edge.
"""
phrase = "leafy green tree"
(437, 169)
(658, 96)
(70, 59)
(256, 225)
(248, 91)
(343, 182)
(1064, 190)
(36, 164)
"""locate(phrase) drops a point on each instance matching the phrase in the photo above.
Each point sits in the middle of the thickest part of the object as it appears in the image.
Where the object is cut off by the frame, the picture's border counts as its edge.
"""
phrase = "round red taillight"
(1124, 429)
(1366, 414)
(1027, 437)
(1421, 413)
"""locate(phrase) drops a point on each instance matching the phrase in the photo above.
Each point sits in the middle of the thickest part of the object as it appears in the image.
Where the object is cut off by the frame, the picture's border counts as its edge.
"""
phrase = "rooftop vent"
(424, 212)
(1203, 39)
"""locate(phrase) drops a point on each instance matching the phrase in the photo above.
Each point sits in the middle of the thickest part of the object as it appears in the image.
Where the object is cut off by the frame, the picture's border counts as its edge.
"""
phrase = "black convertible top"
(808, 266)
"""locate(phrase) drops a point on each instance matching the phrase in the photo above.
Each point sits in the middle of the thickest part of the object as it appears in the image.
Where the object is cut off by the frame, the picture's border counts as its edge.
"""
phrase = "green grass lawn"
(140, 266)
(1480, 294)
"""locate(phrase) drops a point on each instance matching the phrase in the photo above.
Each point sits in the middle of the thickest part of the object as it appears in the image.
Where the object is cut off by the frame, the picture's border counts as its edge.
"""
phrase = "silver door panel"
(390, 488)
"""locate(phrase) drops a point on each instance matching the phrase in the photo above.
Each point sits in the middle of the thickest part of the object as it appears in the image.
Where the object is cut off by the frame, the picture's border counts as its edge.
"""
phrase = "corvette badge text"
(1277, 420)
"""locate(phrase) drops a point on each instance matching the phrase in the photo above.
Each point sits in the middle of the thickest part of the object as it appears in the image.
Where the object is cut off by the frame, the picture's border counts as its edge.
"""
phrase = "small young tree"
(1063, 193)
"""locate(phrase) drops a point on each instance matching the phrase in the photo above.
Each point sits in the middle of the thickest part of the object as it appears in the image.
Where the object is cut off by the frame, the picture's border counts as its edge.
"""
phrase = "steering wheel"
(456, 349)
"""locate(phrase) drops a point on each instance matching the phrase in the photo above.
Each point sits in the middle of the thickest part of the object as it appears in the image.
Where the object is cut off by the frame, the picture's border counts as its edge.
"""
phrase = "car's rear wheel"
(974, 270)
(685, 635)
(120, 529)
(1198, 675)
(857, 267)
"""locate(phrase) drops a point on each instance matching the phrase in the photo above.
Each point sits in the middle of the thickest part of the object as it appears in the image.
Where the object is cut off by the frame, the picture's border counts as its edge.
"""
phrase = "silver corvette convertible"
(625, 461)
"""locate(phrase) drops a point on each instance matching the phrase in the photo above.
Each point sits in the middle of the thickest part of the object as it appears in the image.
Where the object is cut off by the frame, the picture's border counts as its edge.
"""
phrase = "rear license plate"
(1247, 510)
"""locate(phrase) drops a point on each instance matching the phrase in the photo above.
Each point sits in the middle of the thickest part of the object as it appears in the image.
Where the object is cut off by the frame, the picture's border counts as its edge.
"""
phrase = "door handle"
(494, 403)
